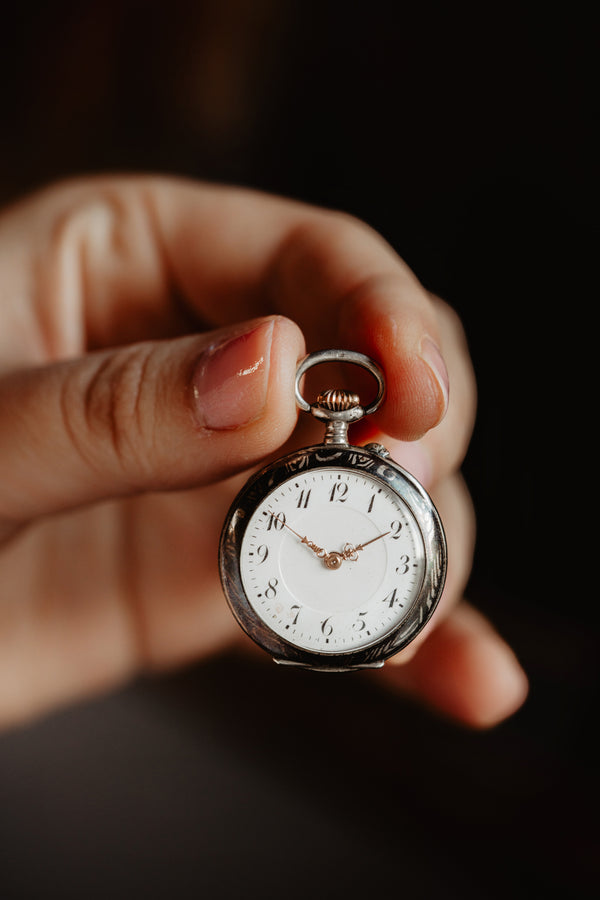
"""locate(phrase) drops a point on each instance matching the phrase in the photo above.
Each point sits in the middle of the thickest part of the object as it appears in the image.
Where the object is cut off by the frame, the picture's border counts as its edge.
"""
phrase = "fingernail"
(231, 379)
(430, 354)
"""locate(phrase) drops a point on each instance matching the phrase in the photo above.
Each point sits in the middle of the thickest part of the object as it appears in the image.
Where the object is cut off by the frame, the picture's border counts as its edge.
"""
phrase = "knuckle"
(330, 255)
(101, 242)
(110, 415)
(336, 230)
(322, 234)
(86, 220)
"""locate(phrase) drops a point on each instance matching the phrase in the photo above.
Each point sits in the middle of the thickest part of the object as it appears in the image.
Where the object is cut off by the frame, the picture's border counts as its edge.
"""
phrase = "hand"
(150, 334)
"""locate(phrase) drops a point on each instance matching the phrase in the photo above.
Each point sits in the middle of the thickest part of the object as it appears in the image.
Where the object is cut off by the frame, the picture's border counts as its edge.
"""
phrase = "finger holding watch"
(143, 244)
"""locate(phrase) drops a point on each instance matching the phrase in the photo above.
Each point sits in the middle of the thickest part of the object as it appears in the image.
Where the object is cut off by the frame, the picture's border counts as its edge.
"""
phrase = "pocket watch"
(333, 557)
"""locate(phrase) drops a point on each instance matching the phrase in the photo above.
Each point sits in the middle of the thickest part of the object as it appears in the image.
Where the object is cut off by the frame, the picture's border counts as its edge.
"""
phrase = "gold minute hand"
(372, 541)
(350, 550)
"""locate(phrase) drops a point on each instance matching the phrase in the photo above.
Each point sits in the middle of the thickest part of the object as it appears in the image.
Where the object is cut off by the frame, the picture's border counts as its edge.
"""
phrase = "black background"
(464, 136)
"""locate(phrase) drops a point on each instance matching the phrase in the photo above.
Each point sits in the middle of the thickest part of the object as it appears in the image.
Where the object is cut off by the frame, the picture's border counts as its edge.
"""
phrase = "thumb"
(149, 416)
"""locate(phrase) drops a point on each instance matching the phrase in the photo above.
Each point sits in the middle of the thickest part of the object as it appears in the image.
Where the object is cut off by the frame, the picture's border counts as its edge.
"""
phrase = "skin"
(131, 410)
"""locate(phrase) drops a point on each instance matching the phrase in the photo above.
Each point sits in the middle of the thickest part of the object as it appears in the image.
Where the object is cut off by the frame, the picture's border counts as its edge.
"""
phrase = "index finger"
(127, 251)
(335, 276)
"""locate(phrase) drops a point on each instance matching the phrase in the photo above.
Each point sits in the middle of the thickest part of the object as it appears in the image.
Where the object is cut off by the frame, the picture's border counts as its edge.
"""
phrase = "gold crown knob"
(337, 400)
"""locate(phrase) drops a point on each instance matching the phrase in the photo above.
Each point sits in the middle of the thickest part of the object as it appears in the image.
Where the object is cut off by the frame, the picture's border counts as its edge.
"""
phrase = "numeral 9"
(262, 552)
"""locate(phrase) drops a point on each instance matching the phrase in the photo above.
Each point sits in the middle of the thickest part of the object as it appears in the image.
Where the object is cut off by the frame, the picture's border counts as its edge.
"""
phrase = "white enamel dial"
(332, 560)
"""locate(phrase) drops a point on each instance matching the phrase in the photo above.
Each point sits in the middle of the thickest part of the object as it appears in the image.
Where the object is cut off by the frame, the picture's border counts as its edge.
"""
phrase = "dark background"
(464, 136)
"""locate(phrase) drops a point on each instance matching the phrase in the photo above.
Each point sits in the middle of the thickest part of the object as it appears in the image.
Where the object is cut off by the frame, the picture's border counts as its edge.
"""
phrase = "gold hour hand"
(321, 553)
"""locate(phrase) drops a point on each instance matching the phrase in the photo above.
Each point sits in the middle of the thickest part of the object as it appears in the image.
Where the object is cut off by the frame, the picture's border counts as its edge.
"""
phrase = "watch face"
(332, 560)
(333, 554)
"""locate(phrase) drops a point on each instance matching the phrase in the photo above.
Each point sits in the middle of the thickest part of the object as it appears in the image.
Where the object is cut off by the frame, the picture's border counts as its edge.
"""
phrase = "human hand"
(150, 334)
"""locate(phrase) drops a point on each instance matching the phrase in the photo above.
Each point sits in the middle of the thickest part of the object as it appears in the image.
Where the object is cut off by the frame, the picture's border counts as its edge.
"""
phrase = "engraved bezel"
(344, 457)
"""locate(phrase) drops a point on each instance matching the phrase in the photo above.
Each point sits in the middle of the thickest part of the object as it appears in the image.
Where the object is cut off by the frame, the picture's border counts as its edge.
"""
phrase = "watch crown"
(379, 449)
(337, 400)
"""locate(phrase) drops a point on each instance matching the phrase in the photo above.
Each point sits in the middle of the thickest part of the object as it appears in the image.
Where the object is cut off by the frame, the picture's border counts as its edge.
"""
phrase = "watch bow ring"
(333, 557)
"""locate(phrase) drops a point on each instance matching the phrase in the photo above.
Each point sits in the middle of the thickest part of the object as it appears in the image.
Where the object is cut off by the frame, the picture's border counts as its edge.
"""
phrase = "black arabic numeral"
(403, 568)
(360, 623)
(303, 499)
(392, 598)
(338, 492)
(276, 522)
(262, 552)
(271, 591)
(395, 528)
